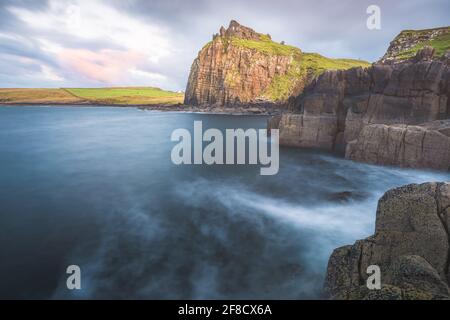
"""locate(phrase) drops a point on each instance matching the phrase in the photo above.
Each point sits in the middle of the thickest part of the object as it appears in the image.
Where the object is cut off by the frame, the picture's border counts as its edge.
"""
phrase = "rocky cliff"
(241, 66)
(410, 245)
(335, 108)
(409, 42)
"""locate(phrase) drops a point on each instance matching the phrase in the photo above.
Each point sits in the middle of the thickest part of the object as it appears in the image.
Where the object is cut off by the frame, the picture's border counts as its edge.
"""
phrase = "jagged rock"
(426, 54)
(406, 44)
(424, 146)
(346, 196)
(333, 110)
(410, 245)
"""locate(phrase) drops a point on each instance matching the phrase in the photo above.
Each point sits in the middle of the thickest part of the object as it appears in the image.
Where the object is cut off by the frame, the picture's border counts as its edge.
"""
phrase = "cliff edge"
(410, 246)
(362, 113)
(242, 66)
(409, 42)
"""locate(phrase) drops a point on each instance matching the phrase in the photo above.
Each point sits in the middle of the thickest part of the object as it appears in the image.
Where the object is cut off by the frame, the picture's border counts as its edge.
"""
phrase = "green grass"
(440, 43)
(127, 95)
(113, 96)
(302, 65)
(305, 64)
(266, 45)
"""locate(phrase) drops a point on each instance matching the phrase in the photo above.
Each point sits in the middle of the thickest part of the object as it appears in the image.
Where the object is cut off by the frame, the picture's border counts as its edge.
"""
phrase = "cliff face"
(410, 245)
(241, 66)
(228, 72)
(409, 42)
(424, 146)
(336, 107)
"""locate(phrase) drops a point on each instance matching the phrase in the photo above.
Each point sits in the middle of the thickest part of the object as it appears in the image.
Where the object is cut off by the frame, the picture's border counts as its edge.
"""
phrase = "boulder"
(410, 245)
(421, 146)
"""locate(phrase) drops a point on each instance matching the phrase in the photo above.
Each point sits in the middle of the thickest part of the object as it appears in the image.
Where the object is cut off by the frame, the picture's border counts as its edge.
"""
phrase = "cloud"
(65, 30)
(154, 42)
(107, 66)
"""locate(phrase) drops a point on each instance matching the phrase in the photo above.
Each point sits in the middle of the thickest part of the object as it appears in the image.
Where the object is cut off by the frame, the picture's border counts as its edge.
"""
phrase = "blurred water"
(95, 187)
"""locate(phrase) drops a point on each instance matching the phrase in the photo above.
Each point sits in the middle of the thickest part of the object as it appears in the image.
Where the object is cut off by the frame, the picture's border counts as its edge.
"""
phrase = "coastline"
(269, 110)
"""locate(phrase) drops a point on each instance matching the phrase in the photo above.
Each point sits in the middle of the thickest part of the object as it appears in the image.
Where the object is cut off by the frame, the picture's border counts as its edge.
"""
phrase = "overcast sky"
(89, 43)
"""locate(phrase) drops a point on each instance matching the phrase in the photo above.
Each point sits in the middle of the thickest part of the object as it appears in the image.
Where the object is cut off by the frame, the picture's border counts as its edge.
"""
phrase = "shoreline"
(235, 110)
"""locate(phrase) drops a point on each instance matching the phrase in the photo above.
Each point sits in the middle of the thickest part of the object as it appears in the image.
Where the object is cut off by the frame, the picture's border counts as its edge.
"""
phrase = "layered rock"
(424, 146)
(241, 66)
(335, 107)
(410, 245)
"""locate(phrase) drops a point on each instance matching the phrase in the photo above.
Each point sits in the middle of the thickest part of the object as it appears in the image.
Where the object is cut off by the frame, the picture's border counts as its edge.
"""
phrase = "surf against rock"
(235, 140)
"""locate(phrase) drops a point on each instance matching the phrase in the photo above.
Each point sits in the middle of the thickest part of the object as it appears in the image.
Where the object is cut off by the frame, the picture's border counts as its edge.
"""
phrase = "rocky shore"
(387, 114)
(242, 109)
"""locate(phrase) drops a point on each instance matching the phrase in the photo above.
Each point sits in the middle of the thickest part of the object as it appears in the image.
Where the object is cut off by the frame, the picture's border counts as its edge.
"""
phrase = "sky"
(99, 43)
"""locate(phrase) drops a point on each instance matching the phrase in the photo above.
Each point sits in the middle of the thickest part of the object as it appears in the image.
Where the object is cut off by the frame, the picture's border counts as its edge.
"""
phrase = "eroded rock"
(410, 245)
(335, 109)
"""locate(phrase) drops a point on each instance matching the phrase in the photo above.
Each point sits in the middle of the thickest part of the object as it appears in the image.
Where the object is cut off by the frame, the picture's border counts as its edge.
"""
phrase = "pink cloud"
(106, 66)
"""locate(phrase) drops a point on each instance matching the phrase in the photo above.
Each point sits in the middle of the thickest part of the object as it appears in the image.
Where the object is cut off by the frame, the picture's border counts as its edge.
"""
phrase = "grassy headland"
(128, 95)
(302, 64)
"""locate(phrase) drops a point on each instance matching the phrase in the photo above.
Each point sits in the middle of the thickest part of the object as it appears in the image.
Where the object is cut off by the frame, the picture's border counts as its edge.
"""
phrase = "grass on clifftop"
(127, 95)
(440, 43)
(113, 96)
(38, 96)
(266, 45)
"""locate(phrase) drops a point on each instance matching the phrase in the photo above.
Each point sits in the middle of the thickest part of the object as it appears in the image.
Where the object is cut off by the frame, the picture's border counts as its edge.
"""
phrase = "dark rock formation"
(334, 109)
(424, 146)
(410, 245)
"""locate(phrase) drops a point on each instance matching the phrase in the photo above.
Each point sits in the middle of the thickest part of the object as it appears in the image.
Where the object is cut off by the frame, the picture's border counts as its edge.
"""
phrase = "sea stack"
(242, 66)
